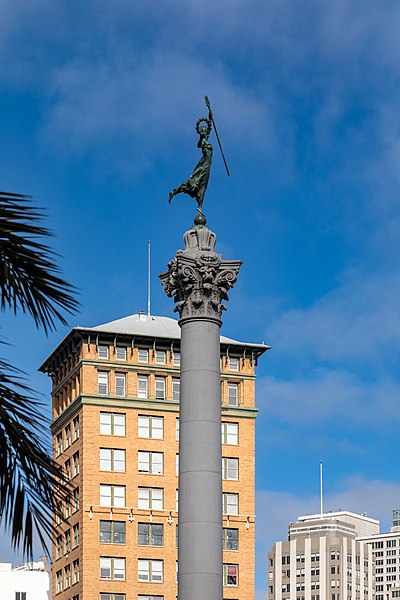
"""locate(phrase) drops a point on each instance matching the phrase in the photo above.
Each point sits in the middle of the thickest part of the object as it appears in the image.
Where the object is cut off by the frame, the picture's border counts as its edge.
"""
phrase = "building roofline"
(335, 515)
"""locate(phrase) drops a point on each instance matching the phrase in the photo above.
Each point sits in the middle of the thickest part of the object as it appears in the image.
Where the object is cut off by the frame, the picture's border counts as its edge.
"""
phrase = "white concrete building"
(324, 559)
(31, 581)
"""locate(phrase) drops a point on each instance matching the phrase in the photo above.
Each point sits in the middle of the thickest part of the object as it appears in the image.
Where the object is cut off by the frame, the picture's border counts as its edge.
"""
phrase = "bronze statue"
(196, 185)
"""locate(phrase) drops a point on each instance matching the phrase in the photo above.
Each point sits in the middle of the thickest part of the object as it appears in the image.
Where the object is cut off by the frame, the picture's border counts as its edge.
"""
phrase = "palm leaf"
(31, 483)
(29, 277)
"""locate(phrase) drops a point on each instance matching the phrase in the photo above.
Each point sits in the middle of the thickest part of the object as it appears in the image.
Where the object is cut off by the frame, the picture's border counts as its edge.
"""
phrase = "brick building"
(115, 399)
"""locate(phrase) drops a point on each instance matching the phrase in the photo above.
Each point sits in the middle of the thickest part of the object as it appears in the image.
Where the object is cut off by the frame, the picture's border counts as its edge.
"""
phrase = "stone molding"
(198, 278)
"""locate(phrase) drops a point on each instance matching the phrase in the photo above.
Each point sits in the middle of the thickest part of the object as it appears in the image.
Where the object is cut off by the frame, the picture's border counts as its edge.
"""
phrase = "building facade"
(30, 581)
(324, 559)
(115, 398)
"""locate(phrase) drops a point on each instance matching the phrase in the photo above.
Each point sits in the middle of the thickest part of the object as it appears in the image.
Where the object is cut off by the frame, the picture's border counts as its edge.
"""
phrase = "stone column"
(198, 279)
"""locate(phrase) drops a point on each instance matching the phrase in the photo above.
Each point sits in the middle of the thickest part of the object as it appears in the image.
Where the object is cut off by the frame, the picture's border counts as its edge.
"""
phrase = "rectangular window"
(107, 596)
(102, 351)
(67, 506)
(20, 595)
(151, 498)
(143, 355)
(176, 389)
(67, 537)
(112, 495)
(112, 532)
(59, 545)
(230, 504)
(76, 463)
(177, 359)
(160, 357)
(67, 468)
(150, 427)
(150, 534)
(231, 575)
(76, 428)
(120, 353)
(233, 395)
(151, 462)
(230, 539)
(76, 535)
(102, 382)
(230, 433)
(143, 386)
(112, 423)
(177, 465)
(67, 436)
(67, 576)
(160, 388)
(177, 429)
(58, 582)
(146, 597)
(120, 384)
(150, 570)
(112, 459)
(75, 569)
(233, 364)
(112, 568)
(59, 444)
(76, 499)
(230, 469)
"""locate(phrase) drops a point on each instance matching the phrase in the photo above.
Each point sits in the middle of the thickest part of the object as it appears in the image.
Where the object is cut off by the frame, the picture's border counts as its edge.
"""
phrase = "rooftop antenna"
(148, 277)
(320, 489)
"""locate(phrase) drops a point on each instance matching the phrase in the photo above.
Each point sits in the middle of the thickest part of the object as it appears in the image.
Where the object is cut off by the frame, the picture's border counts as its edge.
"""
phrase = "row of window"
(71, 434)
(151, 463)
(68, 578)
(153, 427)
(72, 469)
(69, 506)
(103, 387)
(159, 356)
(150, 498)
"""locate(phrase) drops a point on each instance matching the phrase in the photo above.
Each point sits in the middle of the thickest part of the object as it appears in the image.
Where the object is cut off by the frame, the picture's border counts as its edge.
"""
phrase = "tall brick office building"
(115, 391)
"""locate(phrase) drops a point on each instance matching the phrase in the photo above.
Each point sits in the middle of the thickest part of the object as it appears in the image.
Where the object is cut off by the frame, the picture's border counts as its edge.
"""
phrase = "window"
(76, 428)
(75, 568)
(67, 576)
(112, 495)
(233, 396)
(177, 429)
(112, 532)
(150, 570)
(76, 498)
(177, 465)
(76, 463)
(143, 355)
(177, 500)
(20, 595)
(59, 444)
(160, 388)
(150, 534)
(59, 545)
(177, 359)
(120, 384)
(103, 351)
(143, 386)
(231, 575)
(176, 389)
(120, 353)
(230, 539)
(112, 460)
(102, 382)
(230, 468)
(58, 582)
(67, 506)
(151, 427)
(76, 535)
(112, 568)
(112, 423)
(151, 498)
(230, 433)
(151, 462)
(67, 538)
(112, 596)
(67, 436)
(141, 597)
(160, 357)
(67, 468)
(233, 364)
(230, 504)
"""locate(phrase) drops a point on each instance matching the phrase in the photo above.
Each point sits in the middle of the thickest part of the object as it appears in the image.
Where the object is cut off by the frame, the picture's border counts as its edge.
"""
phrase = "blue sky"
(97, 107)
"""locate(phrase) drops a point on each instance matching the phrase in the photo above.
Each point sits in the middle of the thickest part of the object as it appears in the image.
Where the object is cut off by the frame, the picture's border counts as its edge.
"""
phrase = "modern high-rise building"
(324, 559)
(115, 399)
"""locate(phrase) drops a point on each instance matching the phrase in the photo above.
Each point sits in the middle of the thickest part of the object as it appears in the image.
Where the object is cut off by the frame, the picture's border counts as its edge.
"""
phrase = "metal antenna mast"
(320, 488)
(148, 277)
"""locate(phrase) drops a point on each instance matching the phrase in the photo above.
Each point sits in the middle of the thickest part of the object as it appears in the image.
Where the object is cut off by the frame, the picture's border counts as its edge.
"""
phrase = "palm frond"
(31, 483)
(29, 276)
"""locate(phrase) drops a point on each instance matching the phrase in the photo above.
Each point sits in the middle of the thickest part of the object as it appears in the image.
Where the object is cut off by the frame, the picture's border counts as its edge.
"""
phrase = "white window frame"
(68, 436)
(114, 458)
(161, 357)
(147, 429)
(147, 571)
(103, 351)
(76, 428)
(120, 378)
(109, 424)
(102, 382)
(177, 429)
(76, 460)
(234, 388)
(108, 493)
(160, 385)
(143, 355)
(226, 575)
(150, 463)
(143, 387)
(233, 364)
(230, 468)
(230, 503)
(121, 350)
(177, 359)
(150, 498)
(230, 433)
(114, 565)
(176, 389)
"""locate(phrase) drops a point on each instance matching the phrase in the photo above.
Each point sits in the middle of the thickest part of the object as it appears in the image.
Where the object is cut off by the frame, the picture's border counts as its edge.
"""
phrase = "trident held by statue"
(196, 185)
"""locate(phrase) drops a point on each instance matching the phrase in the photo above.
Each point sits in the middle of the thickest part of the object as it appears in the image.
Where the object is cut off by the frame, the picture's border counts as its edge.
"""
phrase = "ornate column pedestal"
(198, 279)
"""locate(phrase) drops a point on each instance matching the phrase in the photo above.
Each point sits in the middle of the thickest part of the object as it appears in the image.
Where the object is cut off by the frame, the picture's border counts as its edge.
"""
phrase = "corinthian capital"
(198, 278)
